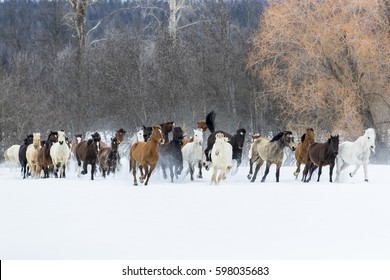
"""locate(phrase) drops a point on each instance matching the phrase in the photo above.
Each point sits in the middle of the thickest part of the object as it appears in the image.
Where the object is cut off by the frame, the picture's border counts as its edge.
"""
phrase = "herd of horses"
(152, 147)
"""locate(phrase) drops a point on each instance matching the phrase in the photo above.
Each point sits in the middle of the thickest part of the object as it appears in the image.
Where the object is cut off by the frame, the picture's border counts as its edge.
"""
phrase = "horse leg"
(200, 169)
(365, 171)
(319, 172)
(207, 163)
(93, 168)
(258, 165)
(298, 170)
(214, 175)
(142, 176)
(191, 169)
(134, 168)
(171, 172)
(331, 166)
(353, 173)
(278, 165)
(267, 166)
(249, 176)
(148, 173)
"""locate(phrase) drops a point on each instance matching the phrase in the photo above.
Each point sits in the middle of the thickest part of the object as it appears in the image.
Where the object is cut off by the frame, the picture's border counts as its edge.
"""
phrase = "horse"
(356, 153)
(147, 131)
(302, 148)
(146, 155)
(319, 155)
(108, 158)
(252, 153)
(221, 155)
(193, 152)
(44, 158)
(11, 156)
(59, 153)
(32, 155)
(271, 151)
(171, 155)
(87, 152)
(237, 141)
(22, 154)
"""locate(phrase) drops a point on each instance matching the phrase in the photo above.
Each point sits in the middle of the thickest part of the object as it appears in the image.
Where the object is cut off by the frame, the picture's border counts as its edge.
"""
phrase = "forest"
(266, 66)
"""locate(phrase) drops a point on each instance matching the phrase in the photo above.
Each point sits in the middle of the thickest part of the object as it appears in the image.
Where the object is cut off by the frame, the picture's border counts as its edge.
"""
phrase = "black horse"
(22, 154)
(171, 155)
(87, 152)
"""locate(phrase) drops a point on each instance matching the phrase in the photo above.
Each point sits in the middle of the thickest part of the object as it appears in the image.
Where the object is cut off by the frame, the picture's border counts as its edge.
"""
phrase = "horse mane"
(210, 121)
(303, 137)
(280, 135)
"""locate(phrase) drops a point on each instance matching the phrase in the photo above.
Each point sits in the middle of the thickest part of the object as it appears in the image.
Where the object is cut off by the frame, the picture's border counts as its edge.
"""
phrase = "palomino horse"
(59, 153)
(32, 155)
(171, 155)
(319, 155)
(108, 158)
(356, 153)
(87, 152)
(22, 154)
(193, 152)
(221, 156)
(271, 151)
(44, 157)
(302, 149)
(146, 155)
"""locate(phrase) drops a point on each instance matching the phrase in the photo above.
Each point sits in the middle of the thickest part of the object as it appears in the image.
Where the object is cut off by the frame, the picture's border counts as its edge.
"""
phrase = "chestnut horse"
(44, 158)
(302, 149)
(321, 154)
(87, 151)
(146, 155)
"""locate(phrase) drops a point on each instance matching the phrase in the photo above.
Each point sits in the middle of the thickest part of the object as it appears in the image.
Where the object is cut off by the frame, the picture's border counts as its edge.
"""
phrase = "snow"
(79, 219)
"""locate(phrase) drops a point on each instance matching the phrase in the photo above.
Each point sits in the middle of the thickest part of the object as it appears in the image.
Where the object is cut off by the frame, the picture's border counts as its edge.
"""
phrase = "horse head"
(201, 125)
(96, 140)
(178, 135)
(369, 137)
(286, 138)
(53, 137)
(333, 143)
(198, 137)
(157, 135)
(147, 131)
(120, 134)
(61, 137)
(36, 140)
(114, 144)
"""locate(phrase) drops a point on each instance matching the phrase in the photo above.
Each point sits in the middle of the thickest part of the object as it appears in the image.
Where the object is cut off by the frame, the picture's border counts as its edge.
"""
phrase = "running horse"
(146, 155)
(87, 152)
(302, 150)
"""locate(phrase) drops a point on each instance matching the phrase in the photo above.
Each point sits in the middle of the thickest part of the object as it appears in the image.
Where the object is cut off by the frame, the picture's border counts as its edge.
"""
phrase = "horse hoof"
(199, 176)
(249, 176)
(350, 175)
(366, 180)
(262, 180)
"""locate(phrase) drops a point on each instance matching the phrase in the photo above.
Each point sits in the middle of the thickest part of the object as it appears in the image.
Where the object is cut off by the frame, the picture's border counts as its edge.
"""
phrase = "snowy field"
(76, 218)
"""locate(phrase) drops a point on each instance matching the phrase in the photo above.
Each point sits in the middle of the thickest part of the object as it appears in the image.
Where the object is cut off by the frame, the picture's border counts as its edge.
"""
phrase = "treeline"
(131, 72)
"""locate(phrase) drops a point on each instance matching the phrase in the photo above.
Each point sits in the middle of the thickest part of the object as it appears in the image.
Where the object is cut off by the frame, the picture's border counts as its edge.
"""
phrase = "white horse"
(60, 153)
(193, 152)
(11, 156)
(356, 153)
(32, 155)
(221, 156)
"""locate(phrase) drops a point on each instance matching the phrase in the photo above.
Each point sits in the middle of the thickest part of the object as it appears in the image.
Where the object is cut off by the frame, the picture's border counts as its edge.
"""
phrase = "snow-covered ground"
(76, 218)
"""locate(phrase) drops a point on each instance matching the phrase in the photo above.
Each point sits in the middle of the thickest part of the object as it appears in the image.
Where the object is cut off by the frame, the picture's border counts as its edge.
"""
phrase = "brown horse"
(302, 149)
(166, 128)
(321, 154)
(146, 155)
(108, 158)
(44, 158)
(87, 151)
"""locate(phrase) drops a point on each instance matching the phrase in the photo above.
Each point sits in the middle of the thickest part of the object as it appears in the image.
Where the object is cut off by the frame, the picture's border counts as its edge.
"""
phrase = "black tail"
(210, 117)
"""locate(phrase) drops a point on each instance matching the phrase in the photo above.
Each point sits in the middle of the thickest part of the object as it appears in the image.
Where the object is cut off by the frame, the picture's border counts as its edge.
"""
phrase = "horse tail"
(210, 121)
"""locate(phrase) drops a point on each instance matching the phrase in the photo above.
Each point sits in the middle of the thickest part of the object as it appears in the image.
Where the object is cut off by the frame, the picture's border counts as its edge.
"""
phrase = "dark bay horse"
(271, 151)
(146, 155)
(108, 158)
(44, 159)
(302, 150)
(171, 155)
(87, 152)
(319, 155)
(22, 154)
(166, 128)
